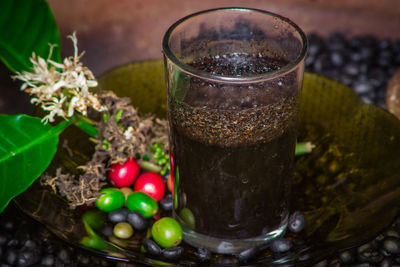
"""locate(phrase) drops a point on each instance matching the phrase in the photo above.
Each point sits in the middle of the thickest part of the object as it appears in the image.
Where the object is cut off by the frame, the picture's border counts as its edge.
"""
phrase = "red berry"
(152, 184)
(170, 184)
(172, 163)
(124, 175)
(157, 216)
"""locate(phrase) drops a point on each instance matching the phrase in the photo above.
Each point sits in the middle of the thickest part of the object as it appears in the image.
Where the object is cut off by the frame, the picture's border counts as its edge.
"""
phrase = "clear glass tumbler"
(234, 77)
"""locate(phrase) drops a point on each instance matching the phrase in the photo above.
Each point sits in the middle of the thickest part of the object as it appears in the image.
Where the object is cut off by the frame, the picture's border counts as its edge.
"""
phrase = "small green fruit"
(94, 218)
(188, 218)
(110, 200)
(167, 232)
(123, 230)
(142, 203)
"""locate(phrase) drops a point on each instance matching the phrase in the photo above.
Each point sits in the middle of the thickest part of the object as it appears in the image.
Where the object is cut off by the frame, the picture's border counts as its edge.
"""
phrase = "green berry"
(110, 200)
(94, 218)
(123, 230)
(167, 232)
(188, 218)
(142, 203)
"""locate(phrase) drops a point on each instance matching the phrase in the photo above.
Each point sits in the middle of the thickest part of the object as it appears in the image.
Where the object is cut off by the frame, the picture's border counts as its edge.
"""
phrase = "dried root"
(122, 134)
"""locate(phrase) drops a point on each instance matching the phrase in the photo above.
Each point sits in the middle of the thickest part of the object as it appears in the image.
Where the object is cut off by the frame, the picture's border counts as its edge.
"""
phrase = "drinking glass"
(234, 77)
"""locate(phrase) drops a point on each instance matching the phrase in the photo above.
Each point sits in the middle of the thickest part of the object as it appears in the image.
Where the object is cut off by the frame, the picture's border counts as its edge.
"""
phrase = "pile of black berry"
(383, 251)
(24, 242)
(363, 63)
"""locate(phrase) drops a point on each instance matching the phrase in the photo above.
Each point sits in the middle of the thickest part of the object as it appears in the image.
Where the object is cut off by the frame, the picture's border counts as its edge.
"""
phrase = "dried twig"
(121, 136)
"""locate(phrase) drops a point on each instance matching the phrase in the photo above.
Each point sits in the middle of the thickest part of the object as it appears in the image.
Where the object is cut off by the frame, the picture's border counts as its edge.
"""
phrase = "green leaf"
(26, 26)
(93, 240)
(27, 147)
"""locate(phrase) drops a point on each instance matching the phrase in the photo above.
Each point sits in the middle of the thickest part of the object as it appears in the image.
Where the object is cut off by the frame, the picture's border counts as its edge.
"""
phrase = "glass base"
(228, 246)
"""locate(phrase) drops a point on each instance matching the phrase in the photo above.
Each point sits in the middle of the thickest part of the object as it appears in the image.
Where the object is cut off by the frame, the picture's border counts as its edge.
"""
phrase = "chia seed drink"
(233, 98)
(236, 156)
(244, 193)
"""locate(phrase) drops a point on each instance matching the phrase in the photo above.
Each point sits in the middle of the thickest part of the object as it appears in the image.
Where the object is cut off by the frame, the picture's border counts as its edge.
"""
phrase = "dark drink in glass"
(233, 89)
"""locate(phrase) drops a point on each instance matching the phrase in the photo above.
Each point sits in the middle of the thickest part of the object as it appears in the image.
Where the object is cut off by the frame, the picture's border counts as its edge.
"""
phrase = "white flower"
(59, 88)
(129, 133)
(55, 106)
(72, 105)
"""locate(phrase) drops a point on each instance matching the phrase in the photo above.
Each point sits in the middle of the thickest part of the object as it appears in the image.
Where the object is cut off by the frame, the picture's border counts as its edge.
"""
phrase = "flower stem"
(149, 166)
(86, 124)
(61, 126)
(304, 148)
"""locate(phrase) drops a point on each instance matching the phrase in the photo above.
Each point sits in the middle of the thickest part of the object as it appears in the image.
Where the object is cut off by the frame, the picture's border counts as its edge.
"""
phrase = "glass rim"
(234, 79)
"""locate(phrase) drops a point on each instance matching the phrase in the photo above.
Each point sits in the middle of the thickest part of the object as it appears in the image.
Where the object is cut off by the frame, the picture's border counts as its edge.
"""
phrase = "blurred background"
(117, 32)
